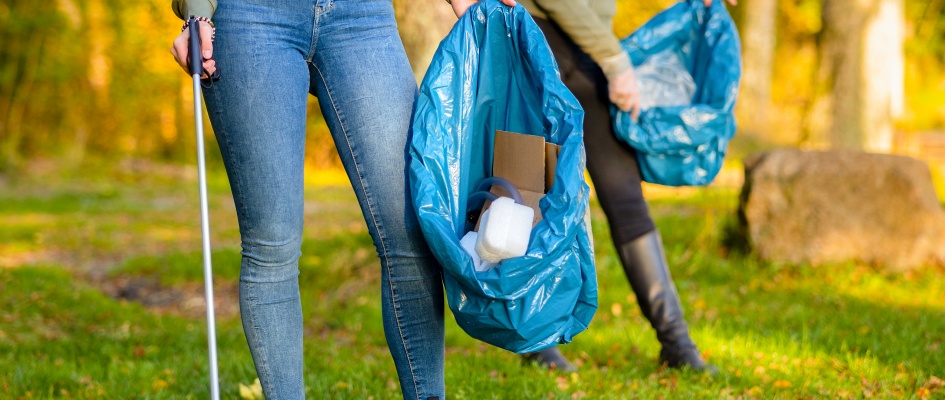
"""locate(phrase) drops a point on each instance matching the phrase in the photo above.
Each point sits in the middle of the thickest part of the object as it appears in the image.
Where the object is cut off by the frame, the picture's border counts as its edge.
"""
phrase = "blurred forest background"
(93, 79)
(98, 220)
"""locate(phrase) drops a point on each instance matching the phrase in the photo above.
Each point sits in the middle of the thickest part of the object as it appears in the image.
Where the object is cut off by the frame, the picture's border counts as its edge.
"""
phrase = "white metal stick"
(205, 230)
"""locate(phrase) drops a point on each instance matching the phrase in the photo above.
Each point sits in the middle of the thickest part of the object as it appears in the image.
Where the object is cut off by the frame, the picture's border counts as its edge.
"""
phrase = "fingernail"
(207, 53)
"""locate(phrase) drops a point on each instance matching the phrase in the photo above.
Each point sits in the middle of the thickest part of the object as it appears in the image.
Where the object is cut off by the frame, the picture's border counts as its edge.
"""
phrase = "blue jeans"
(273, 54)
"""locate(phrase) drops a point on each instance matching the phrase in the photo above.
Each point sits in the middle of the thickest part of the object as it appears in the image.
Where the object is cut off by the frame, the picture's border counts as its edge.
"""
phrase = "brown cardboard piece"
(551, 164)
(528, 162)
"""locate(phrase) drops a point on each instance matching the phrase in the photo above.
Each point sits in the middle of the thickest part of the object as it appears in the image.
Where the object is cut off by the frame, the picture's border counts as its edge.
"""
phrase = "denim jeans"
(272, 55)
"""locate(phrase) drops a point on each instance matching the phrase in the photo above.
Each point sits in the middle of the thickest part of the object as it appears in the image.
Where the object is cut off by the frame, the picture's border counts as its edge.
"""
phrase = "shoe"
(686, 357)
(552, 359)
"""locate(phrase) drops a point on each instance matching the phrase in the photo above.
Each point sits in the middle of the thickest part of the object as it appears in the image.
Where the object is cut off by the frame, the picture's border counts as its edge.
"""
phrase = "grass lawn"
(101, 298)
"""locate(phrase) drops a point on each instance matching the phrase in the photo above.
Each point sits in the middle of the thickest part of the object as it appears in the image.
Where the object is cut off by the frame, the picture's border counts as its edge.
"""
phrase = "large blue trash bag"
(495, 71)
(688, 62)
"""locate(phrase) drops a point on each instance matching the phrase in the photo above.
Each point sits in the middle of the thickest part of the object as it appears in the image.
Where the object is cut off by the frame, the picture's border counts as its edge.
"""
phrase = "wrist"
(213, 28)
(197, 8)
(615, 65)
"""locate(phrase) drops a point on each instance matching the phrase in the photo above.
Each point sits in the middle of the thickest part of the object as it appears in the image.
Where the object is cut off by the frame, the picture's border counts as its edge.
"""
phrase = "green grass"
(774, 331)
(61, 338)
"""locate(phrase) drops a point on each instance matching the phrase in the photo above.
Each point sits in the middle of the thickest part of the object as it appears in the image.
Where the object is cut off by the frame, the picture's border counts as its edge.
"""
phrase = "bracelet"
(213, 28)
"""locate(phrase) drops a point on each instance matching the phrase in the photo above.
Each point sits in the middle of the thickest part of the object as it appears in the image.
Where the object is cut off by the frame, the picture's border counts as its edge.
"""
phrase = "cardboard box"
(528, 162)
(551, 164)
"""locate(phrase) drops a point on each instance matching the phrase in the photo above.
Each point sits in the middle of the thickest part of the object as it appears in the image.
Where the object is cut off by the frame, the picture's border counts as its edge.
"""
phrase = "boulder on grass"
(827, 206)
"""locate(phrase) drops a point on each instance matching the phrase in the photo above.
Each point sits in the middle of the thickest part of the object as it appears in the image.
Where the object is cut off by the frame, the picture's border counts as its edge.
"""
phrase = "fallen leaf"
(781, 384)
(755, 391)
(562, 383)
(251, 392)
(616, 309)
(935, 383)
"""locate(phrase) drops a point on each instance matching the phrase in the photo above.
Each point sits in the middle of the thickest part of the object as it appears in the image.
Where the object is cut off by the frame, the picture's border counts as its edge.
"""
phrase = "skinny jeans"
(273, 54)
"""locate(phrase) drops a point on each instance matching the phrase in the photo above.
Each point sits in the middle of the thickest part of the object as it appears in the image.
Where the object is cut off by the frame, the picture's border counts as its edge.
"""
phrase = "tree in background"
(759, 36)
(860, 77)
(925, 58)
(93, 78)
(89, 76)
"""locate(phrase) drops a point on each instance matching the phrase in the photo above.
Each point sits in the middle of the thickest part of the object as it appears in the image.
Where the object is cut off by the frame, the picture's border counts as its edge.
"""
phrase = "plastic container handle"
(503, 183)
(478, 199)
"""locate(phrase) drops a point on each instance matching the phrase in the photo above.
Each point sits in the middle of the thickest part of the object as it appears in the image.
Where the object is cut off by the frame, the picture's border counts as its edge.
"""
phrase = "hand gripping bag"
(688, 64)
(495, 71)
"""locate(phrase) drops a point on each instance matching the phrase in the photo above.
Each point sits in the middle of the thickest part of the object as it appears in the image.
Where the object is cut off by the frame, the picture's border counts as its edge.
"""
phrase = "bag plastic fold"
(691, 51)
(495, 71)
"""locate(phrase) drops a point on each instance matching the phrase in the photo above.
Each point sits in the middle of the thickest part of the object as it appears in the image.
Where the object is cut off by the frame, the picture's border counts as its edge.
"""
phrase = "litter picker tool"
(196, 70)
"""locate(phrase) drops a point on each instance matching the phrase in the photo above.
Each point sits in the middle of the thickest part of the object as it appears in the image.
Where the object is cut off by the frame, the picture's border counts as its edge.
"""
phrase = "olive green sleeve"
(198, 8)
(592, 33)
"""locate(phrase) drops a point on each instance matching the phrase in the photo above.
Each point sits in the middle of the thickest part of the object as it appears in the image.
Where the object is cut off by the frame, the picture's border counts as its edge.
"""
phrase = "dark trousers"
(612, 164)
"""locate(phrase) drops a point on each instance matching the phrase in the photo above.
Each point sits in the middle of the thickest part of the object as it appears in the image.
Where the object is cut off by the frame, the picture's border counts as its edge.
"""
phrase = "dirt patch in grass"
(187, 300)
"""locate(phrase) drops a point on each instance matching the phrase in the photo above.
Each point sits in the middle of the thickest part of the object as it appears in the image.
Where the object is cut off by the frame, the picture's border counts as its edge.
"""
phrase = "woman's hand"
(708, 3)
(460, 6)
(625, 92)
(181, 53)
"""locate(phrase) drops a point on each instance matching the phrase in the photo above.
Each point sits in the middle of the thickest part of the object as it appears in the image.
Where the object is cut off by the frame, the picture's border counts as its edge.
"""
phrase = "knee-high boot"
(644, 262)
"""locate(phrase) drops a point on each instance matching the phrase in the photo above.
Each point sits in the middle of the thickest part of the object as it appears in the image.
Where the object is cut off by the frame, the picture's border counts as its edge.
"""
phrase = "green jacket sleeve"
(593, 34)
(198, 8)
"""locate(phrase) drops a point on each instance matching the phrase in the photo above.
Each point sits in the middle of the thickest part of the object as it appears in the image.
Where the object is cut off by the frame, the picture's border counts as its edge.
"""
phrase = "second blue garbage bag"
(688, 63)
(495, 71)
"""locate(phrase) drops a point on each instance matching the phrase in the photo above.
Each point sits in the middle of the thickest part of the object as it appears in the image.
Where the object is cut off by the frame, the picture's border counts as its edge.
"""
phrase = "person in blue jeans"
(272, 55)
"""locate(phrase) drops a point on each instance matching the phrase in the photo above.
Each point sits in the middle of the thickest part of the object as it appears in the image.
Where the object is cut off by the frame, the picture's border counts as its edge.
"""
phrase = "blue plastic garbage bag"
(495, 71)
(688, 64)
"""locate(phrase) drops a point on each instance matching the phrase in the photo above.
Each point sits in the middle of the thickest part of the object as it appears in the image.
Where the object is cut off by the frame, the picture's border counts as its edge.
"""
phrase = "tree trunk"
(860, 77)
(884, 72)
(758, 36)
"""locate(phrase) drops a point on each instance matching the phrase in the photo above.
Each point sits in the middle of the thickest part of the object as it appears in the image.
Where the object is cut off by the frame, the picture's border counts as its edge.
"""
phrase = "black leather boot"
(552, 359)
(644, 262)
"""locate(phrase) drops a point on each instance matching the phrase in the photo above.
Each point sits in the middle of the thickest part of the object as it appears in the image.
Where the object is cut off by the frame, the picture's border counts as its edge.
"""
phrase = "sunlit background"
(100, 258)
(86, 79)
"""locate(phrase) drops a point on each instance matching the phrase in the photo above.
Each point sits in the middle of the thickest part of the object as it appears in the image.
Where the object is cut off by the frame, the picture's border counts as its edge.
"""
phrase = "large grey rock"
(800, 206)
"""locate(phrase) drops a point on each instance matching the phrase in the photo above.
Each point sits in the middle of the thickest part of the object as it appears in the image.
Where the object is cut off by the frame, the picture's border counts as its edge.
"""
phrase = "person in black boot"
(644, 262)
(599, 73)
